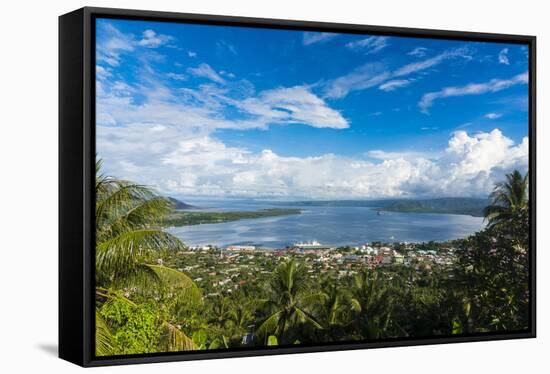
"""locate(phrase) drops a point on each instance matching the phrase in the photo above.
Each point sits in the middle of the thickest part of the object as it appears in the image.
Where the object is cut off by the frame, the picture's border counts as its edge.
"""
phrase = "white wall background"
(28, 184)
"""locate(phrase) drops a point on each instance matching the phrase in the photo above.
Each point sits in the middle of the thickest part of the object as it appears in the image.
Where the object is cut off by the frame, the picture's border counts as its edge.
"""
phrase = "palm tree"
(288, 303)
(334, 310)
(333, 304)
(241, 316)
(129, 239)
(509, 200)
(372, 303)
(128, 230)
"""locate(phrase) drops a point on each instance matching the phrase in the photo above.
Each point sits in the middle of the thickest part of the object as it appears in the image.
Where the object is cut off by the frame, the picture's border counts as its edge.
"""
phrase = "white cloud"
(493, 115)
(394, 84)
(363, 77)
(191, 54)
(187, 164)
(310, 37)
(294, 105)
(205, 71)
(431, 62)
(494, 85)
(176, 76)
(112, 43)
(166, 137)
(376, 74)
(102, 72)
(394, 155)
(206, 107)
(151, 39)
(503, 57)
(168, 142)
(418, 52)
(479, 156)
(370, 45)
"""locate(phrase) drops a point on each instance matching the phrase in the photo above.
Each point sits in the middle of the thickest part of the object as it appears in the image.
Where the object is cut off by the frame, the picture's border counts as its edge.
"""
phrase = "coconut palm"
(334, 305)
(509, 200)
(334, 310)
(372, 303)
(128, 231)
(288, 304)
(129, 239)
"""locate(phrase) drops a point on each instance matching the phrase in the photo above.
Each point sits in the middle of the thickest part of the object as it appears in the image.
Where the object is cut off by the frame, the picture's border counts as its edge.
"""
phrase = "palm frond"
(269, 324)
(175, 340)
(179, 282)
(119, 199)
(306, 317)
(104, 341)
(118, 254)
(140, 214)
(139, 277)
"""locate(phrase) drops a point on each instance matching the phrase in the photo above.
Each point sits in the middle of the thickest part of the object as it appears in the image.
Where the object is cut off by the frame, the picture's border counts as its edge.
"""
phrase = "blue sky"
(232, 111)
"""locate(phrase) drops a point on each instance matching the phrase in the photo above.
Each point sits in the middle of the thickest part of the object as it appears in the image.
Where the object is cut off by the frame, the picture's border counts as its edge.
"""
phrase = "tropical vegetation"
(154, 295)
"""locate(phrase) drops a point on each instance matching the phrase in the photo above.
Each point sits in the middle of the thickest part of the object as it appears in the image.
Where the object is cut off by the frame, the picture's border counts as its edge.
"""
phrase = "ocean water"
(336, 226)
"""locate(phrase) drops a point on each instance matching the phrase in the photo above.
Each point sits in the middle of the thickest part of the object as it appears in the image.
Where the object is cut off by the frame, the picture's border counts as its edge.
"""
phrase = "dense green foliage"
(469, 206)
(148, 302)
(448, 205)
(180, 205)
(128, 242)
(180, 218)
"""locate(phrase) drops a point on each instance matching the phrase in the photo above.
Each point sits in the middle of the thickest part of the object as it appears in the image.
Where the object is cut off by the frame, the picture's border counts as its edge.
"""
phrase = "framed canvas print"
(236, 186)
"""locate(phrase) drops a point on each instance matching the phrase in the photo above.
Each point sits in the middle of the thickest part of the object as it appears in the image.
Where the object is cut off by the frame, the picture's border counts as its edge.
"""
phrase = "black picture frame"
(77, 172)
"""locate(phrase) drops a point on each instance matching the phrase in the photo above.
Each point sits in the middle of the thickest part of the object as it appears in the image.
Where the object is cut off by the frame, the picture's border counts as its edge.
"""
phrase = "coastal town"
(222, 270)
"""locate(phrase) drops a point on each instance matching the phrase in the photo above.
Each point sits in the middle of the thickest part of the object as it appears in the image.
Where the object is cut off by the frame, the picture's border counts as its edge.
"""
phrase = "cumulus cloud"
(494, 85)
(503, 57)
(206, 71)
(167, 137)
(370, 45)
(474, 159)
(393, 155)
(192, 161)
(151, 39)
(310, 37)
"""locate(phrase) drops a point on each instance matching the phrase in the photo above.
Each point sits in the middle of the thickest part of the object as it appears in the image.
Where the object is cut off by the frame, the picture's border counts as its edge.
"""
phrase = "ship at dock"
(314, 244)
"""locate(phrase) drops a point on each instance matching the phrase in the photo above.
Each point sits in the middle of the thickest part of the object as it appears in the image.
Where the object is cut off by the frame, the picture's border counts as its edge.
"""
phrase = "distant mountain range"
(180, 205)
(448, 205)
